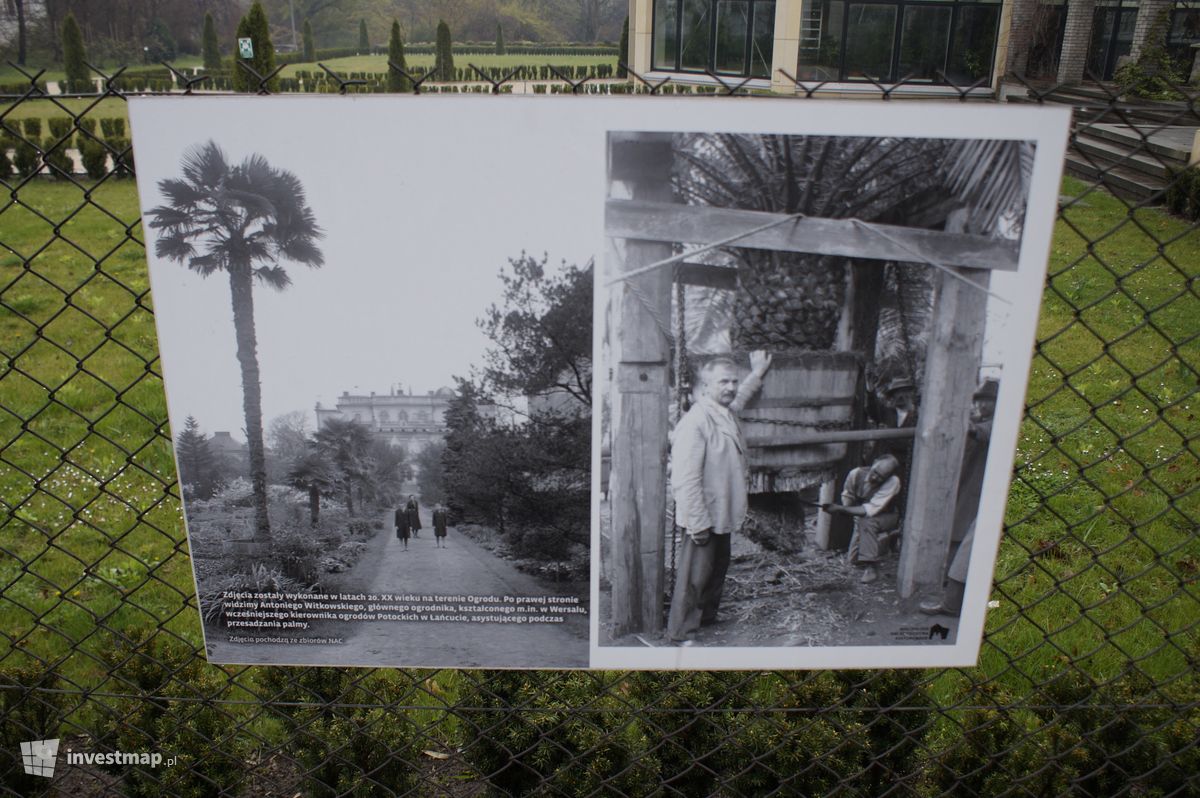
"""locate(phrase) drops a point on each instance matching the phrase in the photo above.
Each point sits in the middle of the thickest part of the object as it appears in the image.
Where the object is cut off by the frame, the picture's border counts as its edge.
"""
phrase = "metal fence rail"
(1087, 681)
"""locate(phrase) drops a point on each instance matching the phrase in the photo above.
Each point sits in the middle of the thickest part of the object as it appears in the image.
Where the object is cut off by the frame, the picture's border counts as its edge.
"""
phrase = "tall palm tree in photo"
(241, 220)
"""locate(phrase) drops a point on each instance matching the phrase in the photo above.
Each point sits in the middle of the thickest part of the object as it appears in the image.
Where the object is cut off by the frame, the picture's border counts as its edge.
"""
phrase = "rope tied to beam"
(795, 217)
(674, 259)
(918, 258)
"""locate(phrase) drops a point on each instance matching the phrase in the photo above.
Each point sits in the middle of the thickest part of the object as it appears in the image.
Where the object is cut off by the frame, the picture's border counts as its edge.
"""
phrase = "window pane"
(1185, 26)
(923, 42)
(697, 45)
(870, 31)
(1124, 41)
(973, 45)
(762, 45)
(666, 36)
(733, 22)
(1102, 27)
(821, 40)
(1185, 29)
(1045, 41)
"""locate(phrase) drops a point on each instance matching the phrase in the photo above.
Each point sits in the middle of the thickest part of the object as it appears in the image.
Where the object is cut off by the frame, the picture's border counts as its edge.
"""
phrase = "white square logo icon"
(38, 757)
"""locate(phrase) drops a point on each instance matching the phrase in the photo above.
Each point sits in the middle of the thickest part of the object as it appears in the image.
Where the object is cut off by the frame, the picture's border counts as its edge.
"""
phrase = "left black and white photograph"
(378, 370)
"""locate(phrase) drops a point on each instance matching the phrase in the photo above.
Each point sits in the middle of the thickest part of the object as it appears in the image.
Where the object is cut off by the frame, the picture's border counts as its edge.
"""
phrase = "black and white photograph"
(812, 337)
(378, 367)
(816, 346)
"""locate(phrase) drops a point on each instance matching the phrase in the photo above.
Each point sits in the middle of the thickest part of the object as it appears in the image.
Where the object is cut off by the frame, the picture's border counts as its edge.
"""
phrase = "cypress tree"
(78, 78)
(211, 46)
(443, 66)
(254, 26)
(397, 82)
(499, 40)
(364, 43)
(623, 52)
(310, 48)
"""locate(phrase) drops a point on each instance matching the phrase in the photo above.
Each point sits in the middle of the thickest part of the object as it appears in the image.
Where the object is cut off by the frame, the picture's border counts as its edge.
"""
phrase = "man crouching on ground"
(869, 495)
(709, 476)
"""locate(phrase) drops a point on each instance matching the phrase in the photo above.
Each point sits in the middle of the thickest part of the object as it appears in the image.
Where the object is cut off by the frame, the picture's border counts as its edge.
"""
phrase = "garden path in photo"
(462, 567)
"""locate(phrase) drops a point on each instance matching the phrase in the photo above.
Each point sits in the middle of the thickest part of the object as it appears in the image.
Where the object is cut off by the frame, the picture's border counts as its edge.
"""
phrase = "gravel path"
(461, 568)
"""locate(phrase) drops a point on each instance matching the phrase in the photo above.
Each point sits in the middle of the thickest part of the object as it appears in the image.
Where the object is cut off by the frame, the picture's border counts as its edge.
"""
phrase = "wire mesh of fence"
(1087, 677)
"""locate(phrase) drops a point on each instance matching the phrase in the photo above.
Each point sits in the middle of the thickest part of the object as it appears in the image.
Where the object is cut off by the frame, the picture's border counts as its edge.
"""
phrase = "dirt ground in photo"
(804, 599)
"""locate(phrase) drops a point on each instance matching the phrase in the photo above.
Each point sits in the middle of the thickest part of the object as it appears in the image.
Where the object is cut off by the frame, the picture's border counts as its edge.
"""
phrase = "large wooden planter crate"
(802, 392)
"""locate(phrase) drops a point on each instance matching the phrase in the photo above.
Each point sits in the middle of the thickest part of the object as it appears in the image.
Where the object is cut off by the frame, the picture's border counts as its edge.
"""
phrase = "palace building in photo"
(410, 420)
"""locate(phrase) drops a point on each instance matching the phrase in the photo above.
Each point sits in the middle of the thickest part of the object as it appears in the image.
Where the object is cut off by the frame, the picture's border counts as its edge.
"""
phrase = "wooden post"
(847, 338)
(951, 372)
(639, 168)
(861, 314)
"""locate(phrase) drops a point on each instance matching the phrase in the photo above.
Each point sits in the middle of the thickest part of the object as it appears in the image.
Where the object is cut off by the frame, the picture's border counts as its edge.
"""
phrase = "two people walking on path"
(408, 522)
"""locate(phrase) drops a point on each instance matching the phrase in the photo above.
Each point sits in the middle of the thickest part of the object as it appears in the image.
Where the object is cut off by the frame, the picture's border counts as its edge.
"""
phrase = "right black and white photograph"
(807, 340)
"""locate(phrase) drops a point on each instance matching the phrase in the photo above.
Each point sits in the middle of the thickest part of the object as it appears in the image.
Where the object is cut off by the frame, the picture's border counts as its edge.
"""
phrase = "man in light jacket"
(709, 476)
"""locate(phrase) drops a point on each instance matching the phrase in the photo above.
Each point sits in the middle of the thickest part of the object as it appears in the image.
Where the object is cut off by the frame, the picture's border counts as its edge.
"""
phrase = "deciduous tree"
(161, 44)
(430, 478)
(530, 479)
(543, 348)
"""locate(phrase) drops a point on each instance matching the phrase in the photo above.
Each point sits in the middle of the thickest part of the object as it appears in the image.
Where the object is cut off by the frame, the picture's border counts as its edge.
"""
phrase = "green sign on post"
(246, 48)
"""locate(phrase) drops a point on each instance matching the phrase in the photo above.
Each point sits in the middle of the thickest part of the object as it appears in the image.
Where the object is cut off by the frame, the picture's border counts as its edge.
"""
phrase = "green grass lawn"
(45, 109)
(1105, 495)
(1098, 568)
(54, 72)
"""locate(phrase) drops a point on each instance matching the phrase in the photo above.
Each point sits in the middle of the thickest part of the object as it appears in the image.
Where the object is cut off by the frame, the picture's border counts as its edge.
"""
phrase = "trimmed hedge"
(471, 48)
(365, 750)
(56, 157)
(797, 733)
(95, 158)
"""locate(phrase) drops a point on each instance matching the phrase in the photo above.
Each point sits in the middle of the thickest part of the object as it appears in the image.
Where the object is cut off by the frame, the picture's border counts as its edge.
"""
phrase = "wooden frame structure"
(642, 225)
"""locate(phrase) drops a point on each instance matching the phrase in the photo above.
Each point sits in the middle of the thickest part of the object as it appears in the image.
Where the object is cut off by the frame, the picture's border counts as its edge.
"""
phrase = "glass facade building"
(918, 42)
(915, 42)
(726, 37)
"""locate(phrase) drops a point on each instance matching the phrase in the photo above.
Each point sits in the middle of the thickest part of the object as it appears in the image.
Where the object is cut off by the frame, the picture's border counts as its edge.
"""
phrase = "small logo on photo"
(38, 757)
(938, 630)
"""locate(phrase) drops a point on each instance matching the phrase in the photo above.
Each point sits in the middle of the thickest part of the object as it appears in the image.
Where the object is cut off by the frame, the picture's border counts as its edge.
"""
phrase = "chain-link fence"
(1087, 678)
